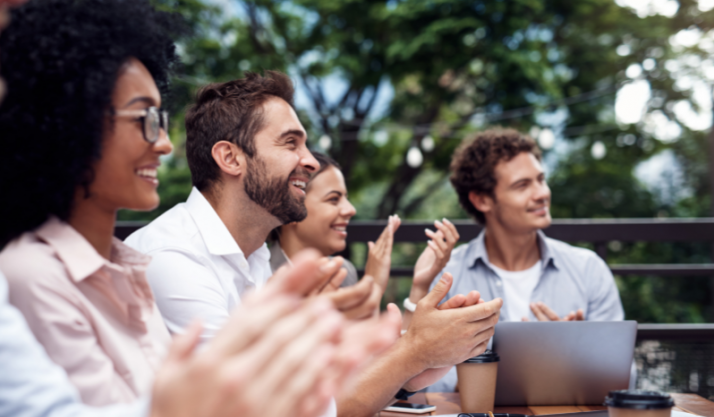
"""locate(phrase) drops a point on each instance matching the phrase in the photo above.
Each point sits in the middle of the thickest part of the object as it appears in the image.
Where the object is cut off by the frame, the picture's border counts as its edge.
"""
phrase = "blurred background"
(618, 94)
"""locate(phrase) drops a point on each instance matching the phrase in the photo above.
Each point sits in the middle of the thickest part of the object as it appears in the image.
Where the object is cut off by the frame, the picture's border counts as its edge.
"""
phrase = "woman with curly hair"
(82, 132)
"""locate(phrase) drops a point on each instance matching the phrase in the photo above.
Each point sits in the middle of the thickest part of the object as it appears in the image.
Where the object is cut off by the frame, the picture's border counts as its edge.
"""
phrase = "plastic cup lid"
(639, 400)
(486, 357)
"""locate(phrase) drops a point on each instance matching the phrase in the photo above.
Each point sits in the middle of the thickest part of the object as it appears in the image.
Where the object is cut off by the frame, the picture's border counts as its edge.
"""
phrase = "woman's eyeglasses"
(152, 118)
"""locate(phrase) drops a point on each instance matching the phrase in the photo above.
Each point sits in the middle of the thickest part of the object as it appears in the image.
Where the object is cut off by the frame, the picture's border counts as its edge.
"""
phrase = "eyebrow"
(339, 193)
(296, 132)
(148, 100)
(516, 182)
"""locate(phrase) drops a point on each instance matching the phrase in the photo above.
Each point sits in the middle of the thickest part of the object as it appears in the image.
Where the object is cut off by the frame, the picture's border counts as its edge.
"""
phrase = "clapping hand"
(432, 375)
(436, 255)
(379, 257)
(355, 302)
(278, 354)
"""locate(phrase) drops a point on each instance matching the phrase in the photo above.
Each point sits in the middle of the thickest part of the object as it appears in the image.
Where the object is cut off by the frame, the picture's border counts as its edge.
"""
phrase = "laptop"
(556, 363)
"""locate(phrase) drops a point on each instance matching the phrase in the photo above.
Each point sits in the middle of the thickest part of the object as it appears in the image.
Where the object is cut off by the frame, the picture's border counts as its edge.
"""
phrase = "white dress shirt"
(197, 269)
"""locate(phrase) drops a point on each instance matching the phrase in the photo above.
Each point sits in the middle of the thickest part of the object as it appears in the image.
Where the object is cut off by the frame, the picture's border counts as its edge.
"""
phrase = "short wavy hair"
(473, 163)
(229, 111)
(61, 59)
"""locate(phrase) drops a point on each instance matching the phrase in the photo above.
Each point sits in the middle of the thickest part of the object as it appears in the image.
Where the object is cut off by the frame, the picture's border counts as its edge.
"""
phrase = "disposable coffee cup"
(632, 403)
(477, 382)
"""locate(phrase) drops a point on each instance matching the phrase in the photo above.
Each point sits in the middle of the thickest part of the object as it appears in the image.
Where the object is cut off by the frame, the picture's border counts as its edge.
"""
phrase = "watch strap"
(403, 394)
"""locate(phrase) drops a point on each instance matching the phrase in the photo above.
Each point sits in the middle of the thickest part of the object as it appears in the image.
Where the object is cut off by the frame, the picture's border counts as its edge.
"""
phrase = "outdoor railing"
(599, 232)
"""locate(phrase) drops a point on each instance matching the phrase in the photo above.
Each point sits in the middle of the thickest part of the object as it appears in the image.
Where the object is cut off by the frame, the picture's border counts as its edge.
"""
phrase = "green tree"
(454, 67)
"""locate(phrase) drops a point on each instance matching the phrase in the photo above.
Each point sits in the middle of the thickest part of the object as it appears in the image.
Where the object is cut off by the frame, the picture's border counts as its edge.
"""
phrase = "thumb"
(439, 291)
(370, 245)
(394, 316)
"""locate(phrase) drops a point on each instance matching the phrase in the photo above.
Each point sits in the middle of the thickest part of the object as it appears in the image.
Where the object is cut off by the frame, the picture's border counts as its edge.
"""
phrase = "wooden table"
(449, 403)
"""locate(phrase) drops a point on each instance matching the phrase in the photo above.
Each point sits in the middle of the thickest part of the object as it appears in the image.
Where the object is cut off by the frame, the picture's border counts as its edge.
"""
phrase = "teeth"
(340, 228)
(299, 184)
(147, 172)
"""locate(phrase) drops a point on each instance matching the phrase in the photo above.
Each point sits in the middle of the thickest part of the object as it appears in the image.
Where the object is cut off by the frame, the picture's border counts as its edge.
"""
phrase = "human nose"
(308, 161)
(163, 145)
(543, 191)
(347, 209)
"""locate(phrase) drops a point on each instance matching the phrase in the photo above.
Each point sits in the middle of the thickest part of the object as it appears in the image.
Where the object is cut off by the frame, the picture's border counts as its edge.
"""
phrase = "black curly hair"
(61, 59)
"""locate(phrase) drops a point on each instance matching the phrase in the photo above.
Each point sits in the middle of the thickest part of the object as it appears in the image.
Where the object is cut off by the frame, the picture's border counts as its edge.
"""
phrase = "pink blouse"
(95, 317)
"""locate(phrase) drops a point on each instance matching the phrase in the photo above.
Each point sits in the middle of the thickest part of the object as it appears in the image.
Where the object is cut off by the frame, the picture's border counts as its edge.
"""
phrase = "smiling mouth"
(299, 184)
(340, 229)
(148, 174)
(543, 208)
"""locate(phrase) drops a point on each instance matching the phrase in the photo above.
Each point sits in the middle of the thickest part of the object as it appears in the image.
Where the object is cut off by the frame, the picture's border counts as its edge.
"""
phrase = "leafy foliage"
(385, 79)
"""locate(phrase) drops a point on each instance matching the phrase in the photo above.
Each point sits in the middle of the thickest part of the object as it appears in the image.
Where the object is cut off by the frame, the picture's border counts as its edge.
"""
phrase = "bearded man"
(209, 251)
(249, 163)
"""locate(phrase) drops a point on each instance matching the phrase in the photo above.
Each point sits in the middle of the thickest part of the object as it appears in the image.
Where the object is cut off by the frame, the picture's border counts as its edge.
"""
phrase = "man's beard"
(273, 194)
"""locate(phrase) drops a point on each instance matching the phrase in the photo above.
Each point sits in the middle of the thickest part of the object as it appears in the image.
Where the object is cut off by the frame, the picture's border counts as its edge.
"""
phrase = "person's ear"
(229, 158)
(482, 202)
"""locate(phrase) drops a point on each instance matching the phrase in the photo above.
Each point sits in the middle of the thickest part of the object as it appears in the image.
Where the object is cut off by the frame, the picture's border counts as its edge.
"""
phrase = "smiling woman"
(82, 135)
(325, 229)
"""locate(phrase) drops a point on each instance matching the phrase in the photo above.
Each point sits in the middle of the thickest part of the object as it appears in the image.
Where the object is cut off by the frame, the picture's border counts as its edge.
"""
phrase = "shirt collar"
(263, 253)
(79, 256)
(216, 236)
(547, 254)
(477, 250)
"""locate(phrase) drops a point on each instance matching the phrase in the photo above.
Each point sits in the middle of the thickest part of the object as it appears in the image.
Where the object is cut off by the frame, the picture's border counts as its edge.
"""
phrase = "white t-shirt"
(518, 287)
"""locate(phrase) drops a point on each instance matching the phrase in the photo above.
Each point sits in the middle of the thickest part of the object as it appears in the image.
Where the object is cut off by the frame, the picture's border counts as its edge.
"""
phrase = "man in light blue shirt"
(572, 283)
(499, 179)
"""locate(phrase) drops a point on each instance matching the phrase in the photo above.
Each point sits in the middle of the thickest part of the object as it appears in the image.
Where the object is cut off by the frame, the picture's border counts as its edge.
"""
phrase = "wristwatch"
(403, 394)
(408, 305)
